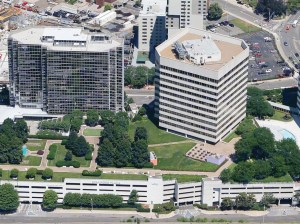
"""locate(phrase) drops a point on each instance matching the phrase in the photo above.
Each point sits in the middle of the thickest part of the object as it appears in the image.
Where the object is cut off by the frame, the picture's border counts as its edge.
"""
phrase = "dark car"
(297, 55)
(226, 23)
(285, 43)
(231, 25)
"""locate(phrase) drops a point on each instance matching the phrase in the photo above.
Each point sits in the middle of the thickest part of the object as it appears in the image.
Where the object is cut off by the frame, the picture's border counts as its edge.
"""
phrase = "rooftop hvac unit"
(181, 52)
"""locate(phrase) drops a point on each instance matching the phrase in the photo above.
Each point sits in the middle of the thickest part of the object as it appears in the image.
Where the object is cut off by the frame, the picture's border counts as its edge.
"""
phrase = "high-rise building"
(185, 13)
(62, 69)
(200, 85)
(152, 24)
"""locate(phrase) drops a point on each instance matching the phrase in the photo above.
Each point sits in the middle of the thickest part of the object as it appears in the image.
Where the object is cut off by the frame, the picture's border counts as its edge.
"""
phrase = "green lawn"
(181, 178)
(72, 2)
(279, 116)
(32, 161)
(286, 178)
(231, 136)
(35, 145)
(60, 155)
(244, 26)
(92, 132)
(60, 176)
(155, 135)
(172, 157)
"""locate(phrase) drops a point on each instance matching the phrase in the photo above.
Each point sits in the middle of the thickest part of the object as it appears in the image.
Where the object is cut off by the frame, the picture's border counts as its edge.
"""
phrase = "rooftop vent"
(181, 52)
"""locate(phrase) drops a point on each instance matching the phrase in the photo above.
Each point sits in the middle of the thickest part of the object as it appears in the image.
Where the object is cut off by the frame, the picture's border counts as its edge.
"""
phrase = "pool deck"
(276, 126)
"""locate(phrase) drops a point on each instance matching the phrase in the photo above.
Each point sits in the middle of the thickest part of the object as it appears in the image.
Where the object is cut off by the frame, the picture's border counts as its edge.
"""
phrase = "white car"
(269, 70)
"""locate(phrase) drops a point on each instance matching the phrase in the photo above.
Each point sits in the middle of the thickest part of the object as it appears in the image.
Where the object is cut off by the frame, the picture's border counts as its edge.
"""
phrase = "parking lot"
(265, 62)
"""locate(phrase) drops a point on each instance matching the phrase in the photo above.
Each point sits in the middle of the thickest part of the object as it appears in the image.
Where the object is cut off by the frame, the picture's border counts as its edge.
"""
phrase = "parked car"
(285, 43)
(231, 25)
(297, 55)
(268, 70)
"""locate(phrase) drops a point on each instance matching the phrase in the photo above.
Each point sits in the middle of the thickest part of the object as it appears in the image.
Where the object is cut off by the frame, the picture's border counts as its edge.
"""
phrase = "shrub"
(48, 134)
(31, 173)
(52, 152)
(1, 172)
(39, 172)
(96, 173)
(140, 208)
(64, 142)
(14, 173)
(137, 117)
(68, 156)
(201, 206)
(88, 156)
(47, 173)
(40, 152)
(148, 165)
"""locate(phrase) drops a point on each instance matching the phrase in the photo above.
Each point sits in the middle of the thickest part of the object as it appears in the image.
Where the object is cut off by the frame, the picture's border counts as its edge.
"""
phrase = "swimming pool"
(24, 150)
(286, 134)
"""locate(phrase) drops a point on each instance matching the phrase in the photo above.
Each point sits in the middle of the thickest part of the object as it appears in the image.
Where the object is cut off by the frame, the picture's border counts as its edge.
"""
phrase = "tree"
(142, 111)
(14, 173)
(133, 197)
(265, 146)
(9, 199)
(107, 117)
(246, 126)
(76, 124)
(138, 3)
(254, 92)
(31, 172)
(243, 172)
(47, 173)
(68, 156)
(279, 168)
(243, 148)
(227, 204)
(49, 200)
(271, 7)
(106, 153)
(21, 130)
(123, 154)
(140, 134)
(225, 175)
(257, 106)
(92, 118)
(214, 12)
(107, 7)
(82, 147)
(140, 153)
(267, 199)
(244, 201)
(262, 169)
(71, 143)
(72, 199)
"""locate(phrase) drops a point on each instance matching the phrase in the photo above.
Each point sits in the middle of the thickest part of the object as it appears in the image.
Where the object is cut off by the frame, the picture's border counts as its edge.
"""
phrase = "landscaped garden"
(60, 155)
(244, 26)
(92, 132)
(31, 161)
(155, 135)
(35, 145)
(172, 157)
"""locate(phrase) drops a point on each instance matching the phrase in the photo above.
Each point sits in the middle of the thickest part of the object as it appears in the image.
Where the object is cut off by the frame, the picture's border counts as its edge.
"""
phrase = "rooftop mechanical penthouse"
(62, 69)
(201, 81)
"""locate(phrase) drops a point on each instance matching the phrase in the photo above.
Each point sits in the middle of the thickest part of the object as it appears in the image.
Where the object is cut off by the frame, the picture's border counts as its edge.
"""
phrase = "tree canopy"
(9, 198)
(49, 200)
(137, 76)
(92, 118)
(214, 12)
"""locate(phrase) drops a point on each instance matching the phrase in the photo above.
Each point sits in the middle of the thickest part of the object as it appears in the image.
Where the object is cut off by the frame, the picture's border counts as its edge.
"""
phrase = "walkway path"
(46, 152)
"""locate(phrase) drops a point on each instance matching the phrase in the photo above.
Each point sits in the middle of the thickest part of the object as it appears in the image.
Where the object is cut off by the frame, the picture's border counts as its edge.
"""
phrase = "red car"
(258, 55)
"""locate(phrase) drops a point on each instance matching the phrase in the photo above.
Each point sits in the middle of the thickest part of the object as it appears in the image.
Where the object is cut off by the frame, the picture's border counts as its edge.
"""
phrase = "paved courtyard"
(282, 129)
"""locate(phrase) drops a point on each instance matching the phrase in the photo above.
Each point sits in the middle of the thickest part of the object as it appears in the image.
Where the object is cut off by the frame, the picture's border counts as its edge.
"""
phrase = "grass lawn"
(35, 145)
(279, 116)
(72, 2)
(155, 135)
(172, 157)
(244, 26)
(231, 136)
(91, 132)
(60, 155)
(60, 176)
(182, 178)
(286, 178)
(32, 161)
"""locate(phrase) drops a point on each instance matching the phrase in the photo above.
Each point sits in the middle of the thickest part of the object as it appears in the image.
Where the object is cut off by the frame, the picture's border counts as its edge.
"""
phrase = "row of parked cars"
(223, 23)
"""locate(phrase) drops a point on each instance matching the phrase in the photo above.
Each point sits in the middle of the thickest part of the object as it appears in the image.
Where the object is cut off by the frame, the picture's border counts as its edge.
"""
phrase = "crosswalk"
(187, 213)
(283, 211)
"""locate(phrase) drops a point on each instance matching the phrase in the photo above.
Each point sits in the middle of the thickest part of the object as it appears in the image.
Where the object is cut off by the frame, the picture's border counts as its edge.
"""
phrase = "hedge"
(140, 208)
(1, 172)
(96, 173)
(52, 152)
(51, 137)
(14, 173)
(62, 163)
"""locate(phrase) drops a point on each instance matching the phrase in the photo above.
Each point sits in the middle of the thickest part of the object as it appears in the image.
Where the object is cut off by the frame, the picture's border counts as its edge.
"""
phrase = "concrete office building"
(155, 190)
(152, 24)
(185, 13)
(62, 69)
(200, 86)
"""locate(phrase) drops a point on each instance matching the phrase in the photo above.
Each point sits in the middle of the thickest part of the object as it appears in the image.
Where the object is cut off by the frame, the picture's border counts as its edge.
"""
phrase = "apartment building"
(152, 24)
(155, 190)
(62, 69)
(200, 85)
(185, 13)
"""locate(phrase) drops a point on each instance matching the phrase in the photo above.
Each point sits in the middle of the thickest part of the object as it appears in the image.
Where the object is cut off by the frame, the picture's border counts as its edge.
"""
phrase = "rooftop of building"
(218, 49)
(78, 38)
(154, 7)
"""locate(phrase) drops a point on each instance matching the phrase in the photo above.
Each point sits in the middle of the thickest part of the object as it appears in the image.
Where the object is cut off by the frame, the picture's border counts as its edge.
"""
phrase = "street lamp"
(92, 203)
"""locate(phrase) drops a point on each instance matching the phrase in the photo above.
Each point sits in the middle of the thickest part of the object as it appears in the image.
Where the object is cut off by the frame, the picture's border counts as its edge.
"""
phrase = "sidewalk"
(233, 212)
(150, 215)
